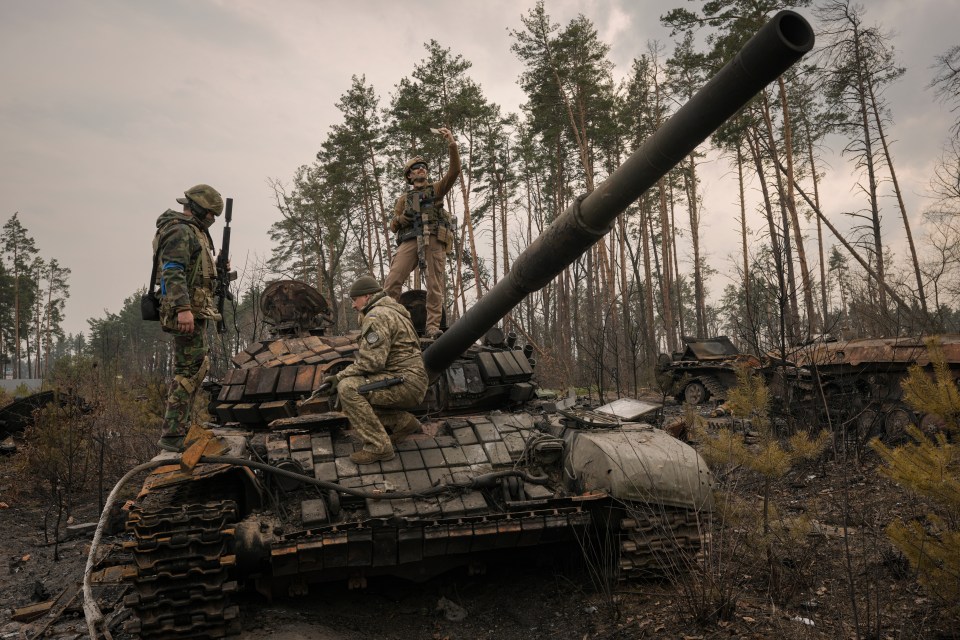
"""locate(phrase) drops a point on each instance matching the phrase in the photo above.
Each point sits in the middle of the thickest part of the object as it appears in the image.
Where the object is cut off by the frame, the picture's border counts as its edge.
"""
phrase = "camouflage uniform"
(186, 278)
(389, 348)
(427, 202)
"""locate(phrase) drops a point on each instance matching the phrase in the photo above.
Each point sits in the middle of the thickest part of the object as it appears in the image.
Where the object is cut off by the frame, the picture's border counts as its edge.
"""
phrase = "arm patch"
(372, 337)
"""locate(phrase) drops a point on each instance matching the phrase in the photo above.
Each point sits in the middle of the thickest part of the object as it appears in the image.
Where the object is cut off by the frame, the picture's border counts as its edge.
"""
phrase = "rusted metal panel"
(300, 441)
(304, 379)
(277, 448)
(877, 350)
(315, 344)
(235, 376)
(718, 348)
(241, 358)
(278, 347)
(287, 380)
(296, 345)
(276, 410)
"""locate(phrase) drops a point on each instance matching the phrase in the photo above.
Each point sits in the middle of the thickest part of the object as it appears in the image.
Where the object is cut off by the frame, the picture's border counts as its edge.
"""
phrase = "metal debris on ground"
(451, 610)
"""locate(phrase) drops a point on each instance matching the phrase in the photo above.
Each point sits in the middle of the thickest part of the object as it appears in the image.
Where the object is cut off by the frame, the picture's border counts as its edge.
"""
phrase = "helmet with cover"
(205, 197)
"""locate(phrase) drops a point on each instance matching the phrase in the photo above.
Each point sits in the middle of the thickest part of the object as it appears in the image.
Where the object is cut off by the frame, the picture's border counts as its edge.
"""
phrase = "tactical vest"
(436, 221)
(200, 274)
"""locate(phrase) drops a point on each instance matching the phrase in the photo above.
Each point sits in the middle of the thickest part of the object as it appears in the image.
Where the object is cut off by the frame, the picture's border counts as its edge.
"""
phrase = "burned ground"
(838, 578)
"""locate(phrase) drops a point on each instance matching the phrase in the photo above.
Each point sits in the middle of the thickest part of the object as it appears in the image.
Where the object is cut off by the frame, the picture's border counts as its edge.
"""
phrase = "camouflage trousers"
(372, 414)
(190, 365)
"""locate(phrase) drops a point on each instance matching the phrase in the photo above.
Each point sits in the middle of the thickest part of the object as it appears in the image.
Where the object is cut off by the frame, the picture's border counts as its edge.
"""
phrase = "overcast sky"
(111, 108)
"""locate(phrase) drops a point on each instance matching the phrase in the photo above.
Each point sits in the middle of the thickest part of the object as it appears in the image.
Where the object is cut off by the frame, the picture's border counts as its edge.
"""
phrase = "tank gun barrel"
(780, 43)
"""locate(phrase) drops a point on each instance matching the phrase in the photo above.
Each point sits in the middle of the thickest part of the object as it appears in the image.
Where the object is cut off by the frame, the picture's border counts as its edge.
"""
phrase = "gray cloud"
(113, 108)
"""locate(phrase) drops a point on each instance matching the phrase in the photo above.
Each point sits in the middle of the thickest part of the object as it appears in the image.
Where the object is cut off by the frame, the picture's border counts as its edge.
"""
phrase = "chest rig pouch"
(426, 209)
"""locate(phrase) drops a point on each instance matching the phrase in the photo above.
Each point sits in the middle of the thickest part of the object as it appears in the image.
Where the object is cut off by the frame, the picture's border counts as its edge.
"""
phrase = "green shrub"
(751, 532)
(929, 467)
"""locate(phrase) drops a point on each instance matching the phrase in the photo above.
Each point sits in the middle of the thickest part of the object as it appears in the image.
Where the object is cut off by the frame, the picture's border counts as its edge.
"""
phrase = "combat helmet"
(205, 197)
(407, 167)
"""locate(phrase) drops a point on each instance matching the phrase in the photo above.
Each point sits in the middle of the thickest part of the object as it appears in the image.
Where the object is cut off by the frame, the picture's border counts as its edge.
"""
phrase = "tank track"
(718, 392)
(182, 561)
(654, 544)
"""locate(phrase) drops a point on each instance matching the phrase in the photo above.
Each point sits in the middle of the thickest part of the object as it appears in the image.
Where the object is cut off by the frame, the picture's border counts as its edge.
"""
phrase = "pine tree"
(768, 458)
(318, 216)
(6, 317)
(930, 468)
(357, 140)
(571, 106)
(19, 250)
(56, 292)
(858, 63)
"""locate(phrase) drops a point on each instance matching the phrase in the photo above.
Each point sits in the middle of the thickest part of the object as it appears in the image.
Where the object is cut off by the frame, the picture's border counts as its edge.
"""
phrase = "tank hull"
(524, 480)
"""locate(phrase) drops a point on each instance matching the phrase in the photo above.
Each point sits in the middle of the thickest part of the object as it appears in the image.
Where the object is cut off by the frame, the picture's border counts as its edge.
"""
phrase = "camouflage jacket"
(388, 342)
(428, 201)
(186, 272)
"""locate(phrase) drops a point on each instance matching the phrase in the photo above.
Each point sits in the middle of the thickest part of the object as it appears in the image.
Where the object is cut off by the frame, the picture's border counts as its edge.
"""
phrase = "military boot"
(407, 425)
(171, 443)
(369, 457)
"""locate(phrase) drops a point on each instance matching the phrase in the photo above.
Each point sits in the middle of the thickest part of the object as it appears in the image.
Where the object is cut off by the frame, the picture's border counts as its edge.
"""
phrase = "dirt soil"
(829, 585)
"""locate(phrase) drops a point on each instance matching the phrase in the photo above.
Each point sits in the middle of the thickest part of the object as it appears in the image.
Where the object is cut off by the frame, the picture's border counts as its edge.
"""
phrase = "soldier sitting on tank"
(388, 349)
(422, 208)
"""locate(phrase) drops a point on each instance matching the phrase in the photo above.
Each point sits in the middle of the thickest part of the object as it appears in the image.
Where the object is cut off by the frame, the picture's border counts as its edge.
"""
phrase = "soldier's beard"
(420, 181)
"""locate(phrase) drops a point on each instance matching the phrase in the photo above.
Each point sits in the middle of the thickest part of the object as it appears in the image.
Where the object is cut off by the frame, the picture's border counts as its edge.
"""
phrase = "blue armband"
(173, 266)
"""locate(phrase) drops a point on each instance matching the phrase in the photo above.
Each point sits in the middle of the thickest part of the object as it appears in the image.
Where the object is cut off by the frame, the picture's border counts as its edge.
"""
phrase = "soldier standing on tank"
(388, 348)
(424, 200)
(186, 278)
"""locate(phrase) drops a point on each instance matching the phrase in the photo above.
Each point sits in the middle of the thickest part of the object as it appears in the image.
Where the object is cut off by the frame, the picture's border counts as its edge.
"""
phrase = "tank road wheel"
(932, 424)
(895, 424)
(695, 393)
(864, 426)
(183, 557)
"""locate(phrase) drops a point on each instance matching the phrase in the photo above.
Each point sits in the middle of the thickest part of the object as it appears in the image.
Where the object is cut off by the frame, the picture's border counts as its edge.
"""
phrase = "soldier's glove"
(331, 382)
(407, 217)
(326, 387)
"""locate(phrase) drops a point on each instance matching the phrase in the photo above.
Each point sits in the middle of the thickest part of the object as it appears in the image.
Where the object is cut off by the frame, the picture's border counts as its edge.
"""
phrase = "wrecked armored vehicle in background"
(861, 381)
(704, 370)
(20, 413)
(496, 468)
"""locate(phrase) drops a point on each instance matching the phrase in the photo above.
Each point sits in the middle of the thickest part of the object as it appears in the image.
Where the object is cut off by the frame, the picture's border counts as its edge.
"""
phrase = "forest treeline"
(33, 292)
(643, 288)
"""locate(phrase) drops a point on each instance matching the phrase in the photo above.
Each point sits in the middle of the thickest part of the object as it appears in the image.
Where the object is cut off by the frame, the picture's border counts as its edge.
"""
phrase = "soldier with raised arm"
(424, 232)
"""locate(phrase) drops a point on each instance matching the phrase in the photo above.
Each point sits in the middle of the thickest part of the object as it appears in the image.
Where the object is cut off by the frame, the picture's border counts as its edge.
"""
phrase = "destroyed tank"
(704, 370)
(860, 381)
(495, 469)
